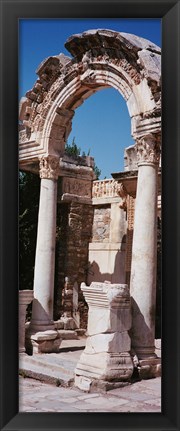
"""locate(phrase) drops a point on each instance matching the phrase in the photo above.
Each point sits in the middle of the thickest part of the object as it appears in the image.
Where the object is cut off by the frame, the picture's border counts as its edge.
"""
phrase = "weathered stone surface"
(102, 58)
(46, 335)
(83, 383)
(59, 324)
(65, 334)
(105, 366)
(132, 66)
(46, 346)
(113, 343)
(101, 320)
(101, 224)
(151, 63)
(74, 230)
(44, 341)
(42, 311)
(106, 355)
(140, 42)
(149, 368)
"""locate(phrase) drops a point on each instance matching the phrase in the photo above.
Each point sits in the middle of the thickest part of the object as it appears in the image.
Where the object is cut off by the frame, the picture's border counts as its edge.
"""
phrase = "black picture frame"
(169, 12)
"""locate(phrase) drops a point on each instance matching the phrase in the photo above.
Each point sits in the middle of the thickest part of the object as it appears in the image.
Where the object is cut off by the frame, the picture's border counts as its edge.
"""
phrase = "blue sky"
(102, 123)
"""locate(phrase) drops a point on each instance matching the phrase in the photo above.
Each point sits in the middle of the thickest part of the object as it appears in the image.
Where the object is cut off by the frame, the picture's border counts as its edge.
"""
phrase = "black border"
(11, 11)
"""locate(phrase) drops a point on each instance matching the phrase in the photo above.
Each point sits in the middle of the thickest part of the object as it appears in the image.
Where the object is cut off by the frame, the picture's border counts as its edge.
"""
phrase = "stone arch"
(101, 58)
(132, 65)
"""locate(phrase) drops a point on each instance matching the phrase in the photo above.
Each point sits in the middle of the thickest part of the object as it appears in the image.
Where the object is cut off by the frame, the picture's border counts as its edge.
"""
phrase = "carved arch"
(101, 59)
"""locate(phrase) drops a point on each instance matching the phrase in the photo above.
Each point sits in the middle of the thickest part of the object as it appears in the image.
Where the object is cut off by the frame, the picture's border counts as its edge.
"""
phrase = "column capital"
(48, 167)
(148, 149)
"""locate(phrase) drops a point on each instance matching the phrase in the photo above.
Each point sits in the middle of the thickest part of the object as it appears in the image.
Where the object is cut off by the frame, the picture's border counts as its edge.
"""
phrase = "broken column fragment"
(106, 357)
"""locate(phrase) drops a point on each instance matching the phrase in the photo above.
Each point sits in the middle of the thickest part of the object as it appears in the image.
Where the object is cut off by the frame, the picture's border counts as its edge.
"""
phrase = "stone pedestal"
(106, 357)
(25, 298)
(45, 342)
(42, 312)
(144, 257)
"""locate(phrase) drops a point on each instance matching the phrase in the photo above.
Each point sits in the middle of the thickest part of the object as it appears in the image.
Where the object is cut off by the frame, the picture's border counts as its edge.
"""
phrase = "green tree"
(74, 151)
(29, 188)
(97, 171)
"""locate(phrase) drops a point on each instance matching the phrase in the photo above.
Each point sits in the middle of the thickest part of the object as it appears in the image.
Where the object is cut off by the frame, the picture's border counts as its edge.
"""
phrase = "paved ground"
(35, 396)
(40, 393)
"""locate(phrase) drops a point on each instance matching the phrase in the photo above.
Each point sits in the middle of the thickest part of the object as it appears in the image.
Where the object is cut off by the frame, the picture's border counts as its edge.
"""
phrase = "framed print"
(46, 115)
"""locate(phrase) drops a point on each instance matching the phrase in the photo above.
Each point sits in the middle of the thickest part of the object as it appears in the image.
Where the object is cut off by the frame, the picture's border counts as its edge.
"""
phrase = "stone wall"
(101, 224)
(74, 231)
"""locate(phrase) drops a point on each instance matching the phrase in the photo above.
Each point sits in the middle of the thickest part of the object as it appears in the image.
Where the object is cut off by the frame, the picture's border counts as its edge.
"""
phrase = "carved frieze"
(148, 149)
(49, 167)
(99, 59)
(77, 187)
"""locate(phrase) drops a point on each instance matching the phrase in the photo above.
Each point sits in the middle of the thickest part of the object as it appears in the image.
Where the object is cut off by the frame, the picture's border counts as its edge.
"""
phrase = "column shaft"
(144, 252)
(42, 314)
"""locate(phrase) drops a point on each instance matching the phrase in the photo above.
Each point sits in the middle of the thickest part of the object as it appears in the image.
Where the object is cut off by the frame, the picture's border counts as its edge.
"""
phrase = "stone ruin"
(120, 281)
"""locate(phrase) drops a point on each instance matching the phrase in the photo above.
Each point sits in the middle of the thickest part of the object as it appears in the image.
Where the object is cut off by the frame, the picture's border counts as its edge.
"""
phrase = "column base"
(149, 368)
(38, 326)
(87, 384)
(48, 341)
(102, 368)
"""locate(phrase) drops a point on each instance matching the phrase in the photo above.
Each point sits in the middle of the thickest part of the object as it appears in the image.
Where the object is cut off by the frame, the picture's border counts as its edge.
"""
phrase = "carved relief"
(24, 135)
(105, 188)
(123, 194)
(130, 227)
(101, 58)
(148, 149)
(133, 73)
(48, 167)
(77, 187)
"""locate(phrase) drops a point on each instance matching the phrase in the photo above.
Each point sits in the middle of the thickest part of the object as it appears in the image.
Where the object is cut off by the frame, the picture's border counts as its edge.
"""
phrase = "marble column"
(144, 254)
(42, 311)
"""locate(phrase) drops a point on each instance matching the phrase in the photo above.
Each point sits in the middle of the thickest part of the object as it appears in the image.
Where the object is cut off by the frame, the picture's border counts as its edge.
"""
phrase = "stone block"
(113, 342)
(69, 323)
(101, 320)
(67, 334)
(46, 346)
(83, 383)
(149, 368)
(105, 366)
(44, 342)
(45, 335)
(59, 324)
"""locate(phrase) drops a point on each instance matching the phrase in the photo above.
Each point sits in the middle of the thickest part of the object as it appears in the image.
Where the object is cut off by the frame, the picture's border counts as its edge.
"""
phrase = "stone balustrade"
(105, 188)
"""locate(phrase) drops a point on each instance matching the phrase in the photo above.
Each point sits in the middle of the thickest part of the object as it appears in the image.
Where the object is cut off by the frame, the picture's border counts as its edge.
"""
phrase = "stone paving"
(142, 396)
(42, 393)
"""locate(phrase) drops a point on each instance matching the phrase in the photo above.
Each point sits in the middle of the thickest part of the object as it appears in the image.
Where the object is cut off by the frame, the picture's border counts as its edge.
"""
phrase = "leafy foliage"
(29, 185)
(97, 171)
(73, 150)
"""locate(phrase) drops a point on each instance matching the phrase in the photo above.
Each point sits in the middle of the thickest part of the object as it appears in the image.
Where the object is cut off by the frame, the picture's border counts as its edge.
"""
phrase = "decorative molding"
(122, 192)
(76, 187)
(148, 149)
(49, 167)
(105, 188)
